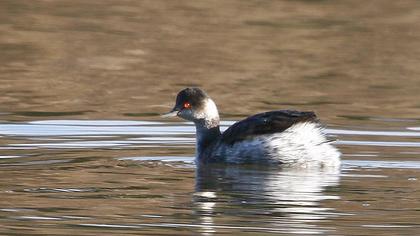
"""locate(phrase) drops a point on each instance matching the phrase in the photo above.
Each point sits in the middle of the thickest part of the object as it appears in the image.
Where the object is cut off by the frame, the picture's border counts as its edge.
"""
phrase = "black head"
(189, 102)
(190, 97)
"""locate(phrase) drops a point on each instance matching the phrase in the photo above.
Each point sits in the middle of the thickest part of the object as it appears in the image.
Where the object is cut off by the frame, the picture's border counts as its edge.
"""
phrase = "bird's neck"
(207, 126)
(207, 130)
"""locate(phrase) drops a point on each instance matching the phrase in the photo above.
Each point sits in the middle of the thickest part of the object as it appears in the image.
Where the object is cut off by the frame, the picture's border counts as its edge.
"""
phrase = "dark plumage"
(265, 123)
(195, 96)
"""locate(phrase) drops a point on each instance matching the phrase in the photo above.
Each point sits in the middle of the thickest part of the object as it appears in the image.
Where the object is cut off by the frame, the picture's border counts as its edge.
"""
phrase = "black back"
(265, 123)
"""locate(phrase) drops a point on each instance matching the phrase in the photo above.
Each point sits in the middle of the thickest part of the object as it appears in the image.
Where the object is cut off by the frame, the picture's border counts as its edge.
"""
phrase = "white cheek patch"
(209, 111)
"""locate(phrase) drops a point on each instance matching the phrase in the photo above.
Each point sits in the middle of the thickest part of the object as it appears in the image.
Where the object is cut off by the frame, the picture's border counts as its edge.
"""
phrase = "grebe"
(283, 137)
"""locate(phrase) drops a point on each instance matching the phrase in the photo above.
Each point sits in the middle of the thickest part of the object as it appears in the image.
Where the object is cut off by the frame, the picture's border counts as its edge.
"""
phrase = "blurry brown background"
(119, 59)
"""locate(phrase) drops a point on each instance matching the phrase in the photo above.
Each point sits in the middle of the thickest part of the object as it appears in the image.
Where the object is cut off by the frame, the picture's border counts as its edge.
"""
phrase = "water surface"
(83, 150)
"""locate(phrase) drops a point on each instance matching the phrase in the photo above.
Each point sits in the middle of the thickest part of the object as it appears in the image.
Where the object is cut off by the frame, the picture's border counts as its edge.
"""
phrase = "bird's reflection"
(273, 199)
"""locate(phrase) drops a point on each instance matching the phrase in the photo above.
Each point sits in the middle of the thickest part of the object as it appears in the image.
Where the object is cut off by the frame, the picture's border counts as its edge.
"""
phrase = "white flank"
(302, 145)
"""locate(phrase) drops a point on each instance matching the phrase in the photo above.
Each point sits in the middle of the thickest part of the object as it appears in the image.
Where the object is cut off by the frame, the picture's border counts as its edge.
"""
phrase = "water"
(138, 177)
(83, 150)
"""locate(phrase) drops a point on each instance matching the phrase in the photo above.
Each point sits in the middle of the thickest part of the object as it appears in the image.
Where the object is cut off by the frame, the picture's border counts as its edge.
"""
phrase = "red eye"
(187, 105)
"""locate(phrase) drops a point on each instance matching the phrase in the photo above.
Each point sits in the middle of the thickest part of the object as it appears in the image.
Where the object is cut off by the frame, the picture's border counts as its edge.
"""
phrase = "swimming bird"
(283, 137)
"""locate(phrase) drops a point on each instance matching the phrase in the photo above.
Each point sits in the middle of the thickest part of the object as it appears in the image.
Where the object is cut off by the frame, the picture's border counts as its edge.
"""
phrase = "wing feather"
(265, 123)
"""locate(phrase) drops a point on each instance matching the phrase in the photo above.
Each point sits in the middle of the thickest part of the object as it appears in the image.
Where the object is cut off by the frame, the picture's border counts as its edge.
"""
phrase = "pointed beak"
(172, 113)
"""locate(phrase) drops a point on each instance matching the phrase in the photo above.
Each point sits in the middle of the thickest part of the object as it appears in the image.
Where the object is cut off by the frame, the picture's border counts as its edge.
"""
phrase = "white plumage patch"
(302, 144)
(208, 111)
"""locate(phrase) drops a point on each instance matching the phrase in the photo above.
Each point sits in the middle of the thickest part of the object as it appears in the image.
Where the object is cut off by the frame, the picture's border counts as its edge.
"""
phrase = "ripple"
(62, 190)
(388, 226)
(9, 157)
(37, 130)
(159, 159)
(373, 133)
(41, 162)
(38, 218)
(379, 143)
(95, 122)
(204, 226)
(414, 128)
(381, 164)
